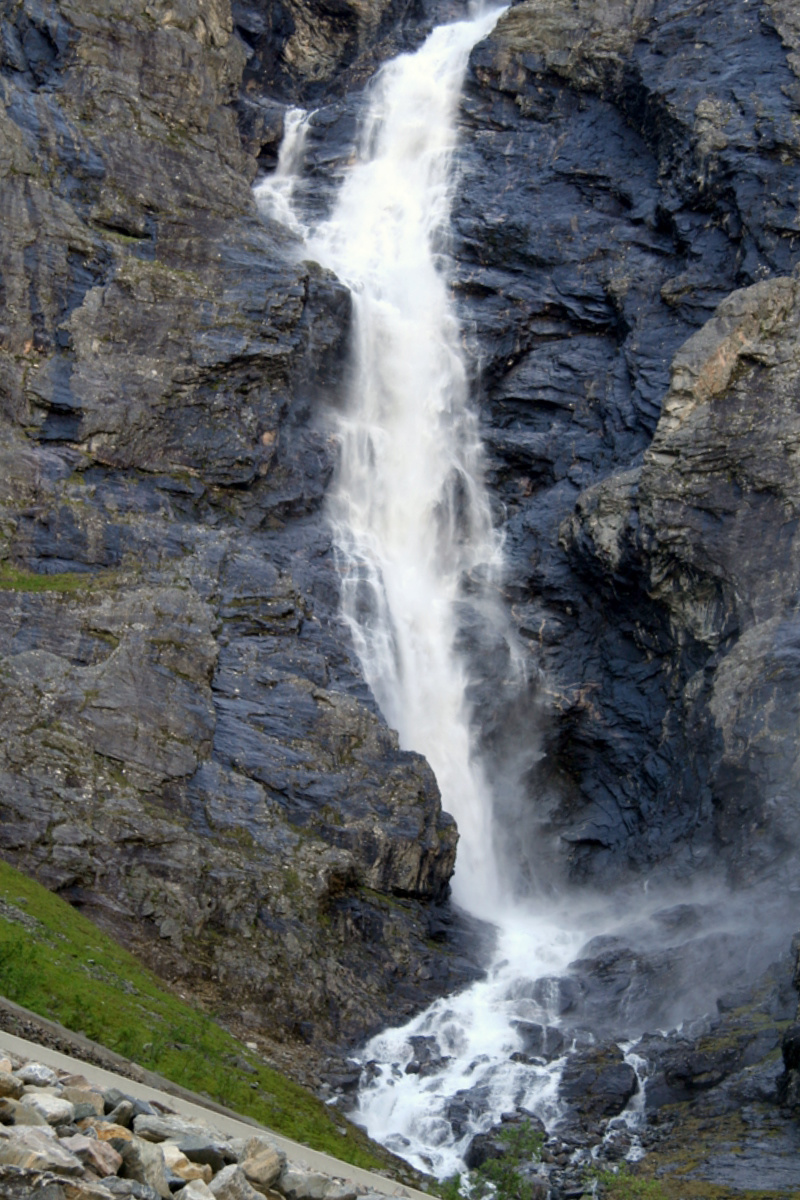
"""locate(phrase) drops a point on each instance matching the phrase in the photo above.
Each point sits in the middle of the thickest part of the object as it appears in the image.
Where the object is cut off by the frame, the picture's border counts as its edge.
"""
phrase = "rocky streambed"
(709, 1109)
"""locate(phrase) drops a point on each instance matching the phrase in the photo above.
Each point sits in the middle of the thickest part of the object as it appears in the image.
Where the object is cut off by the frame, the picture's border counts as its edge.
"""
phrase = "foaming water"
(275, 194)
(451, 1072)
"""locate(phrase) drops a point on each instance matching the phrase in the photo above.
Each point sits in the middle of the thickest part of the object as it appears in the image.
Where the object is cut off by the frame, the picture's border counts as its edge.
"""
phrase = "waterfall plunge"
(409, 511)
(412, 523)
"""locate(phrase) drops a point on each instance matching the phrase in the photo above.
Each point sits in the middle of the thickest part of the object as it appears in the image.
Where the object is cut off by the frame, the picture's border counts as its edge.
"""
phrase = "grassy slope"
(58, 964)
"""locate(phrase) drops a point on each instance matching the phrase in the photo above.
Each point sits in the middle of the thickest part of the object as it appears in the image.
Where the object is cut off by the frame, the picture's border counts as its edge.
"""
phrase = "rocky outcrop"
(677, 1112)
(188, 749)
(626, 234)
(318, 53)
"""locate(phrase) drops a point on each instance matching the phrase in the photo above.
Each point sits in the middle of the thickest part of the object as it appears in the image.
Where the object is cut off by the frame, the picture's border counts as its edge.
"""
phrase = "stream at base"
(456, 1069)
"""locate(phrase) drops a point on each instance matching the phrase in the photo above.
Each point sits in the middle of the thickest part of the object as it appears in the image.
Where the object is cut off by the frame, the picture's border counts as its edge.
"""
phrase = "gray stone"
(10, 1085)
(130, 1187)
(36, 1074)
(261, 1162)
(298, 1184)
(144, 1163)
(163, 1128)
(14, 1112)
(37, 1149)
(205, 1148)
(54, 1109)
(100, 1157)
(122, 1114)
(231, 1184)
(197, 1190)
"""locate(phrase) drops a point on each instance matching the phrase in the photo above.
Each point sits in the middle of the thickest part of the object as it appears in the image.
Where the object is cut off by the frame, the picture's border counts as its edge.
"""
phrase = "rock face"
(626, 232)
(188, 748)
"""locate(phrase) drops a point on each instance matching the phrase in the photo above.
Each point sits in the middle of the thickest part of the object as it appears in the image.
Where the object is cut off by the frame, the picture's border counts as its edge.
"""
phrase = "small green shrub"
(502, 1177)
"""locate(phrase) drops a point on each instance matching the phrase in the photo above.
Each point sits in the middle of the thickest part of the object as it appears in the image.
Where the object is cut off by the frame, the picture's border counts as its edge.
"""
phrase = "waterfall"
(275, 195)
(409, 510)
(416, 543)
(410, 514)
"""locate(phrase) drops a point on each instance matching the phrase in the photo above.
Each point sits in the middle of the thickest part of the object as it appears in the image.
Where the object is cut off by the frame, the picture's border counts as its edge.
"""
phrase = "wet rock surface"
(620, 181)
(678, 1113)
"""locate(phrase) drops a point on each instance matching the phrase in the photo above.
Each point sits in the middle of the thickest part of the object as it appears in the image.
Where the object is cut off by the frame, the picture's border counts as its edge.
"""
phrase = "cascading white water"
(409, 511)
(412, 522)
(276, 194)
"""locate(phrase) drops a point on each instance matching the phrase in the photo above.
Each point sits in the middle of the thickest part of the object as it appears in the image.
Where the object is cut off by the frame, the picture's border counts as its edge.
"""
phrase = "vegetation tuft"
(503, 1178)
(55, 962)
(623, 1185)
(627, 1184)
(19, 579)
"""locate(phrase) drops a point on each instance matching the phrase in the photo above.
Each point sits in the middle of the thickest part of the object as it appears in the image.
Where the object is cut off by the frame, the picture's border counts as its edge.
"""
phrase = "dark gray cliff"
(627, 167)
(188, 749)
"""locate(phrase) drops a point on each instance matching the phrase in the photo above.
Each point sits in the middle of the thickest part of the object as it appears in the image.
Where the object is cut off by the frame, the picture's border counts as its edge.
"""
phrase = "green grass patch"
(19, 579)
(624, 1185)
(55, 962)
(638, 1183)
(502, 1178)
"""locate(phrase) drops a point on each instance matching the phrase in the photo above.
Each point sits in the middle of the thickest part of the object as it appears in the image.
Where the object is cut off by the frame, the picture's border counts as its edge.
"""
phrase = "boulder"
(196, 1190)
(158, 1128)
(130, 1187)
(37, 1075)
(107, 1131)
(122, 1114)
(37, 1149)
(99, 1156)
(113, 1097)
(539, 1041)
(10, 1085)
(14, 1112)
(144, 1162)
(20, 1183)
(184, 1168)
(231, 1184)
(205, 1148)
(82, 1096)
(54, 1109)
(597, 1083)
(295, 1183)
(261, 1162)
